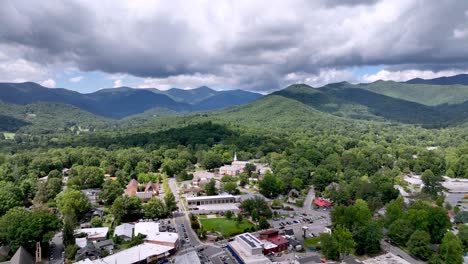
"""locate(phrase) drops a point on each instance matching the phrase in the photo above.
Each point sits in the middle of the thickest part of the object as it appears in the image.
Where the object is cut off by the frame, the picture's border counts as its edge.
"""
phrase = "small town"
(211, 222)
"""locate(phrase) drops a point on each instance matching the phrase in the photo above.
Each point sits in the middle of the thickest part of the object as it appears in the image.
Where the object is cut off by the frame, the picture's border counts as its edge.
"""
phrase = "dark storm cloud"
(251, 45)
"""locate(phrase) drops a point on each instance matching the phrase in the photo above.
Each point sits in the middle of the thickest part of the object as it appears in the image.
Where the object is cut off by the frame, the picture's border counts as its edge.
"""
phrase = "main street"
(181, 217)
(207, 253)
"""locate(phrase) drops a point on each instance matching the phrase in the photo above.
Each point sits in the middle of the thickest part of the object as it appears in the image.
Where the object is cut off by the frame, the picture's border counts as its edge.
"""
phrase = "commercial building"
(248, 249)
(155, 236)
(277, 242)
(322, 202)
(188, 258)
(214, 199)
(212, 204)
(144, 253)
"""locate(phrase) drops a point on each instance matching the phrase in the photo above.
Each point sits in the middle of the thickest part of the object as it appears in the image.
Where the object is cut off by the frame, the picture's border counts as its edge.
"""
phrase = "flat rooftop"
(188, 258)
(387, 258)
(218, 207)
(212, 197)
(252, 241)
(132, 255)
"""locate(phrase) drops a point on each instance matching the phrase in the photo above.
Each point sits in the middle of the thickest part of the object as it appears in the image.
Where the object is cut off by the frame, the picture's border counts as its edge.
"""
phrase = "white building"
(146, 252)
(212, 204)
(154, 236)
(125, 231)
(249, 249)
(229, 170)
(94, 234)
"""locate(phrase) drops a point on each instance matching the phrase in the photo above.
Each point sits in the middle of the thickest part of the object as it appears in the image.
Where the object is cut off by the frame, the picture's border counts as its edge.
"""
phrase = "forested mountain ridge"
(125, 101)
(45, 118)
(449, 80)
(346, 100)
(426, 94)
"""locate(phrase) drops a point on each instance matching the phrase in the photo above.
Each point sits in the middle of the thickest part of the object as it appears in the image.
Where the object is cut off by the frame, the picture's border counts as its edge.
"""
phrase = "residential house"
(21, 256)
(150, 190)
(107, 245)
(88, 252)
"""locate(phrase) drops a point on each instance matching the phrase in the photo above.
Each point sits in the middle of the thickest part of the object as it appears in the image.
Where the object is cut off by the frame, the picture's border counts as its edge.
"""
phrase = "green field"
(226, 227)
(8, 135)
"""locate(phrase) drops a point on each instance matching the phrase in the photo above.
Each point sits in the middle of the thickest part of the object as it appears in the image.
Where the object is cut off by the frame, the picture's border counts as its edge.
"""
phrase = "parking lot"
(316, 221)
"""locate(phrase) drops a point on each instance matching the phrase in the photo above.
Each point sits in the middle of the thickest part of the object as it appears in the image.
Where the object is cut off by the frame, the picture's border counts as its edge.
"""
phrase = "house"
(94, 234)
(4, 251)
(132, 188)
(320, 202)
(21, 256)
(124, 231)
(107, 245)
(91, 194)
(150, 190)
(88, 252)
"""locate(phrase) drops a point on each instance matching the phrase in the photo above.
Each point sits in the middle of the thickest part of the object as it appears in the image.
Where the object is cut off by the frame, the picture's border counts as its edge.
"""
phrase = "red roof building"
(273, 237)
(322, 202)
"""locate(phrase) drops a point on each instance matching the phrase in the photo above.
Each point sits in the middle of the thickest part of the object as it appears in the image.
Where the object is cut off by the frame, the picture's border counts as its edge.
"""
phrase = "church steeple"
(235, 156)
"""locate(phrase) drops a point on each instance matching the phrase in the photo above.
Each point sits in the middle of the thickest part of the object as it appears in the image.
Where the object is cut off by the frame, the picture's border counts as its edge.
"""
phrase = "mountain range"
(125, 101)
(429, 104)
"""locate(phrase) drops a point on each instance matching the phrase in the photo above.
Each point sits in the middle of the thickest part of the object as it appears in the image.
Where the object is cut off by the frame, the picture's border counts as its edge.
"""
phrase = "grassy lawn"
(311, 242)
(226, 227)
(9, 136)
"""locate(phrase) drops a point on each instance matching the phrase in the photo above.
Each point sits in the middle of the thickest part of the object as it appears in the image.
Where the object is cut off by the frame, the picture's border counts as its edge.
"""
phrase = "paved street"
(189, 239)
(57, 249)
(308, 201)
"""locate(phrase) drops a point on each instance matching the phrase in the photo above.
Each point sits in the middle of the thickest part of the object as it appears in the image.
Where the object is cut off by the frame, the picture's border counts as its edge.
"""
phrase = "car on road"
(287, 222)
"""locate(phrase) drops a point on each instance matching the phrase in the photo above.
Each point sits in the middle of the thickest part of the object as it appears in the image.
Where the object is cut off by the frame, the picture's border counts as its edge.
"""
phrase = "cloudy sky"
(86, 45)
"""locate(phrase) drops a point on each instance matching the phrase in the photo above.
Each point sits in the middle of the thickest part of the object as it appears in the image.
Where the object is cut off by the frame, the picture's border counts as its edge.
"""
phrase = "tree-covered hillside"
(420, 93)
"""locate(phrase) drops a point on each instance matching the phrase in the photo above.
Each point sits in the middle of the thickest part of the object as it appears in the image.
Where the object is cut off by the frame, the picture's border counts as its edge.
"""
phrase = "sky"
(262, 46)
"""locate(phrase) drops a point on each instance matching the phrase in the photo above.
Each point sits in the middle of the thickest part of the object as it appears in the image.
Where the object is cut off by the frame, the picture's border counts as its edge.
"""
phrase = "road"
(307, 208)
(399, 252)
(207, 253)
(181, 217)
(56, 251)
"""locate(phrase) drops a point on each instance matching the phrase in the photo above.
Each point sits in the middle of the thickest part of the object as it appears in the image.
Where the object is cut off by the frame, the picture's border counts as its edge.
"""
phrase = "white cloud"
(50, 83)
(324, 77)
(405, 75)
(76, 79)
(257, 45)
(460, 33)
(186, 81)
(117, 83)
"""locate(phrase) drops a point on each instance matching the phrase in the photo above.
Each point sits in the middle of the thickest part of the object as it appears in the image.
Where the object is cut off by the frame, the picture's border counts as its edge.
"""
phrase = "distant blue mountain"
(125, 101)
